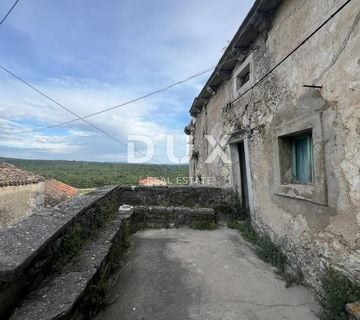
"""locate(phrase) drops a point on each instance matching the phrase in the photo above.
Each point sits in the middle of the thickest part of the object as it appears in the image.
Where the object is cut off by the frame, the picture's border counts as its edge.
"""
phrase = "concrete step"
(58, 296)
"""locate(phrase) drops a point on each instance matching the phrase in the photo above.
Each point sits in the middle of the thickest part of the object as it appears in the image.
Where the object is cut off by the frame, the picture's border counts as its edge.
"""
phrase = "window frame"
(284, 185)
(248, 63)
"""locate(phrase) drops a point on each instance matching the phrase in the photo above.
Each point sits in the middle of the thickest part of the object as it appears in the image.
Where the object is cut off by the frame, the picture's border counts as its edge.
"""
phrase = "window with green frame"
(302, 159)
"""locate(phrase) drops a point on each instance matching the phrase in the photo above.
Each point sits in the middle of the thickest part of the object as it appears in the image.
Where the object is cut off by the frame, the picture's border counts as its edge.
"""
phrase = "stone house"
(279, 121)
(57, 191)
(152, 181)
(21, 192)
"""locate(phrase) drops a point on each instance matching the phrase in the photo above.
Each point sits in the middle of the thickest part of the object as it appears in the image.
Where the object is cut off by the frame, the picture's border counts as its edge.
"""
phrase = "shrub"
(204, 225)
(270, 252)
(337, 292)
(267, 250)
(239, 213)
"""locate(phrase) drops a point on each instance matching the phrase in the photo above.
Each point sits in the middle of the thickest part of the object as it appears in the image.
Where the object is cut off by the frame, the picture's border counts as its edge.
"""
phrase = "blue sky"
(90, 55)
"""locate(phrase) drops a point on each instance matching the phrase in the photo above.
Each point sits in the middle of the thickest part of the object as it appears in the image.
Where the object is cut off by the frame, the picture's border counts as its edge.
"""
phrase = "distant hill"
(82, 174)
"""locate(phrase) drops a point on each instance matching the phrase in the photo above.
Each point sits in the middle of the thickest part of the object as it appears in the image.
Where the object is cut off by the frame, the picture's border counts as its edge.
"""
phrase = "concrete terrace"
(69, 262)
(182, 274)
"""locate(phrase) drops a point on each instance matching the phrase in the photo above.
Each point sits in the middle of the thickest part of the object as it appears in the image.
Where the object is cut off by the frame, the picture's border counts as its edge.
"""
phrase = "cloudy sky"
(91, 55)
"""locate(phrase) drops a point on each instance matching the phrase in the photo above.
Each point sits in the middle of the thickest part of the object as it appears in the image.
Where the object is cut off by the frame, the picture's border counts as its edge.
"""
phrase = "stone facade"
(255, 120)
(17, 202)
(21, 192)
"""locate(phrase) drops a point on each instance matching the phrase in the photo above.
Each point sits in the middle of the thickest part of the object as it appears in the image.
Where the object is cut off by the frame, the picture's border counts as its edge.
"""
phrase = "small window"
(302, 159)
(243, 76)
(296, 158)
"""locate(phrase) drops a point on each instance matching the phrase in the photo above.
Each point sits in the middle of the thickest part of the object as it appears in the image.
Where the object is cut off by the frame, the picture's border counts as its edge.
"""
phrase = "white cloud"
(100, 58)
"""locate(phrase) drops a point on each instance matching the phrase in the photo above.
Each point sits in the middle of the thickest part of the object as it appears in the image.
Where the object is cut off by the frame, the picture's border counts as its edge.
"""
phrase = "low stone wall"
(169, 217)
(219, 199)
(45, 243)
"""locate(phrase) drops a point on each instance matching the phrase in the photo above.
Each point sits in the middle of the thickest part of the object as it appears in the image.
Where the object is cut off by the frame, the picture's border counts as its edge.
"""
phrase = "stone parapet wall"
(168, 217)
(219, 199)
(44, 244)
(35, 246)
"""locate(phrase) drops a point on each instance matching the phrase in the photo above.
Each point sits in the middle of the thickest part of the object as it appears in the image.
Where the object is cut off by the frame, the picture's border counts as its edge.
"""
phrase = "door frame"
(241, 136)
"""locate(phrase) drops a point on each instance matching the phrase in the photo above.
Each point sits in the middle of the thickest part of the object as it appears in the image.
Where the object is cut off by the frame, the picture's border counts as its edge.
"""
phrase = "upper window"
(296, 158)
(243, 77)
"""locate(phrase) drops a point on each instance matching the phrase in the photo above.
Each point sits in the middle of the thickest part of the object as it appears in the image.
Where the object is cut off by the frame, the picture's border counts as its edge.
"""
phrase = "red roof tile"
(151, 181)
(57, 191)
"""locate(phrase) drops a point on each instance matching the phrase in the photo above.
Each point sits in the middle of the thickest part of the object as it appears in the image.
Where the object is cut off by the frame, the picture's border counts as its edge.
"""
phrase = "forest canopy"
(82, 174)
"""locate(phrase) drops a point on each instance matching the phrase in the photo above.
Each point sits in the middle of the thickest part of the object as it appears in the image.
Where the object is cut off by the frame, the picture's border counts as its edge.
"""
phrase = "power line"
(7, 14)
(67, 109)
(292, 51)
(167, 87)
(107, 109)
(182, 81)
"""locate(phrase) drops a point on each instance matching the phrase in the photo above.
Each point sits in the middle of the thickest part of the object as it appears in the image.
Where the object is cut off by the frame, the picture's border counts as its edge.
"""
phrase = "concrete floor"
(178, 274)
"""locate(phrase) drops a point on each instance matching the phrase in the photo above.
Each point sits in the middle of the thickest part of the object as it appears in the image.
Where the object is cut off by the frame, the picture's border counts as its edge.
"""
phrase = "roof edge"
(236, 50)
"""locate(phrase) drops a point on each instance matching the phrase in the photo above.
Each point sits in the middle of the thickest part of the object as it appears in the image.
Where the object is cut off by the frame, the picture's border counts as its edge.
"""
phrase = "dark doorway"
(243, 177)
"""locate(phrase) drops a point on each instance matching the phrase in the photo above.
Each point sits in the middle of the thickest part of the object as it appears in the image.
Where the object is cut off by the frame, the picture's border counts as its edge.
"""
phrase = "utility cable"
(8, 13)
(292, 51)
(67, 109)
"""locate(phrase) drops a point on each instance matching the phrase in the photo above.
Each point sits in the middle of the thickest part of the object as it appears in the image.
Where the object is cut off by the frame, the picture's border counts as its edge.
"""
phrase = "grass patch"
(234, 224)
(248, 232)
(80, 231)
(86, 191)
(293, 279)
(271, 253)
(337, 292)
(204, 225)
(71, 244)
(238, 212)
(267, 250)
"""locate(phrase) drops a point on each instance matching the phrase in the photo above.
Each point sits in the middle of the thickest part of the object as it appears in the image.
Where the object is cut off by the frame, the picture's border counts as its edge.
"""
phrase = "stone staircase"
(58, 295)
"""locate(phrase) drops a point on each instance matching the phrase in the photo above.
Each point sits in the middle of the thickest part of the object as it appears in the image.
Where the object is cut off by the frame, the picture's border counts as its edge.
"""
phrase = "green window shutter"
(302, 161)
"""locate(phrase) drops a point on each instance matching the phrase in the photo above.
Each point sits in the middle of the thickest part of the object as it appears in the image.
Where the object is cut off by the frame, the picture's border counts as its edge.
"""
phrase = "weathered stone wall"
(317, 225)
(42, 244)
(17, 202)
(170, 217)
(220, 199)
(37, 245)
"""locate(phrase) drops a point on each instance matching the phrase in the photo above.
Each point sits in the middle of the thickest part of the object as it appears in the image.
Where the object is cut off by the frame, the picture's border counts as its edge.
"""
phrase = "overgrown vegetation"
(95, 295)
(204, 225)
(337, 289)
(81, 174)
(104, 211)
(266, 250)
(337, 292)
(270, 252)
(71, 244)
(80, 231)
(238, 212)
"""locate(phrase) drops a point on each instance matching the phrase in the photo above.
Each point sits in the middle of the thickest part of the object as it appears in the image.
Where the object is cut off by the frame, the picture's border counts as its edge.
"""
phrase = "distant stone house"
(279, 121)
(57, 191)
(152, 181)
(21, 192)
